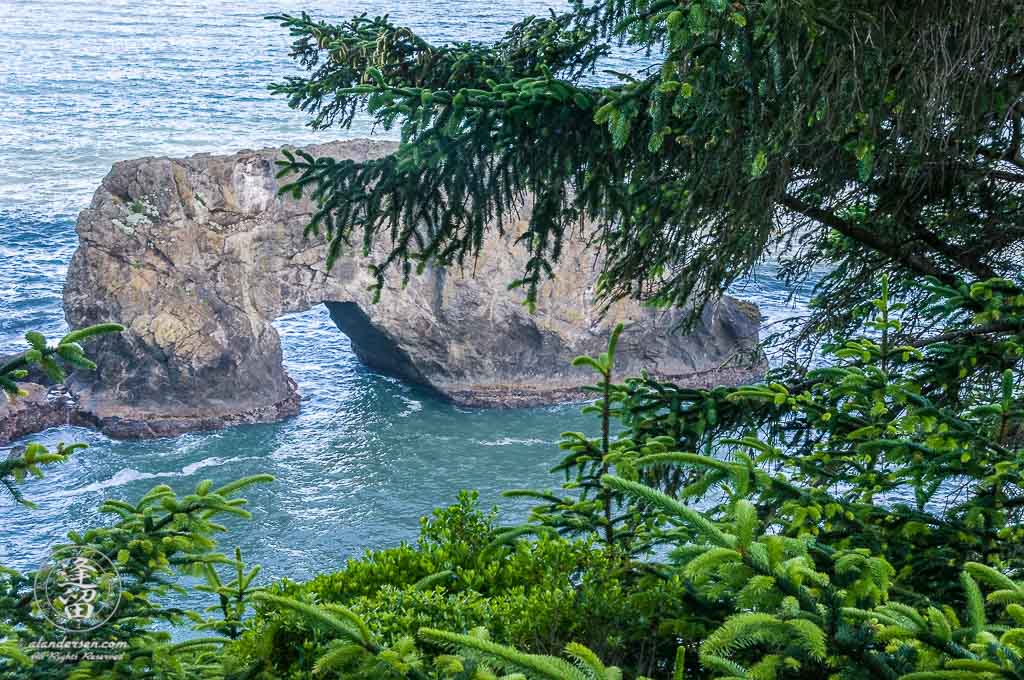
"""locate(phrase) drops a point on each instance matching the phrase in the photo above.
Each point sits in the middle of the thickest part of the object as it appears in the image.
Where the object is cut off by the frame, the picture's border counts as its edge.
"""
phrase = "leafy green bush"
(464, 573)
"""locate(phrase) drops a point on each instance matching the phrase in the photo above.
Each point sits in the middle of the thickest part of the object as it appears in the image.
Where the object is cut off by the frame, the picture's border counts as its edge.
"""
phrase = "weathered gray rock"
(196, 257)
(41, 408)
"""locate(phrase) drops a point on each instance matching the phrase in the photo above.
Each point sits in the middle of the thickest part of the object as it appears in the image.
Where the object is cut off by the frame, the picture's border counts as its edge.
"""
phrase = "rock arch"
(198, 256)
(373, 346)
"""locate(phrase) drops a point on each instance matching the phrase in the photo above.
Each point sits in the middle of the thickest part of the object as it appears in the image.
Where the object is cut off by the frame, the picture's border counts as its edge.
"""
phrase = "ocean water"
(83, 84)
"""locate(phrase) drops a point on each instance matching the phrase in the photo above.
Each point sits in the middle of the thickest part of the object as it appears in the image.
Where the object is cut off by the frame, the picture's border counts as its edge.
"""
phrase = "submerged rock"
(198, 256)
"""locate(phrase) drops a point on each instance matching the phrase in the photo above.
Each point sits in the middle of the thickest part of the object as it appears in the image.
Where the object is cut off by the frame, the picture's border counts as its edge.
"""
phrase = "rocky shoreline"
(197, 257)
(42, 408)
(491, 396)
(48, 406)
(52, 406)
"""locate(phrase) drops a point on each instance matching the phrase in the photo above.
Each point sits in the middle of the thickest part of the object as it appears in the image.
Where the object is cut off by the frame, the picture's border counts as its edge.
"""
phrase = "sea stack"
(197, 257)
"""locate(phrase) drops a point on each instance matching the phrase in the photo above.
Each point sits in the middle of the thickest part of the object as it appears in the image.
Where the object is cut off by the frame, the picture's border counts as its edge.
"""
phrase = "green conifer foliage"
(153, 543)
(68, 351)
(868, 136)
(858, 519)
(865, 525)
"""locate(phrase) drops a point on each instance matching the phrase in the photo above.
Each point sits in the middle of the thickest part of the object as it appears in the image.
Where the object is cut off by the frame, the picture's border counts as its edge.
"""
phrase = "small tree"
(152, 544)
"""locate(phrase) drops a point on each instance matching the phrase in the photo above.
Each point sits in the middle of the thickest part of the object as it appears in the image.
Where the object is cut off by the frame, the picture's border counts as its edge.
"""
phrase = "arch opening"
(376, 349)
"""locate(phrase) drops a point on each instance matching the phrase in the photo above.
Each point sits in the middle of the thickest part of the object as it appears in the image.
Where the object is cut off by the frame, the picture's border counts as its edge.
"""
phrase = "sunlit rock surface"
(197, 257)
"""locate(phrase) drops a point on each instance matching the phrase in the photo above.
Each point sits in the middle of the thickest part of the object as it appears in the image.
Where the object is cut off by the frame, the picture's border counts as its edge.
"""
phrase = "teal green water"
(85, 84)
(366, 457)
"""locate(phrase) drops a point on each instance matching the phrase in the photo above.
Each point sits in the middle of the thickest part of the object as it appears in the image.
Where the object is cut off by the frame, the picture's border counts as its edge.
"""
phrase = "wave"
(514, 441)
(411, 406)
(129, 475)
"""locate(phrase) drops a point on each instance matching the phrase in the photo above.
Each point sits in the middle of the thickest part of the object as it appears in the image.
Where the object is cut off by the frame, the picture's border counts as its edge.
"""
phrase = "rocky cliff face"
(198, 256)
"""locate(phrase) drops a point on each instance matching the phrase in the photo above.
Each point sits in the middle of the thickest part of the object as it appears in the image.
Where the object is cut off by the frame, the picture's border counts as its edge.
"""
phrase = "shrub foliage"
(859, 520)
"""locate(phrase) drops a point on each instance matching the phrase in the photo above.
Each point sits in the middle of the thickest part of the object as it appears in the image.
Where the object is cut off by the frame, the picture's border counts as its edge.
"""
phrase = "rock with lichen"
(198, 256)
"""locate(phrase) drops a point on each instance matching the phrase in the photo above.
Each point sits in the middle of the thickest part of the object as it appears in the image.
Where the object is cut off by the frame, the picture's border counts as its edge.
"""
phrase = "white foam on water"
(411, 406)
(129, 475)
(515, 441)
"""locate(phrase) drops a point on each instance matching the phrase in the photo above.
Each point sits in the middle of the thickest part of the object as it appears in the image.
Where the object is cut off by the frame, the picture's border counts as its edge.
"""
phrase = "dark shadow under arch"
(376, 349)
